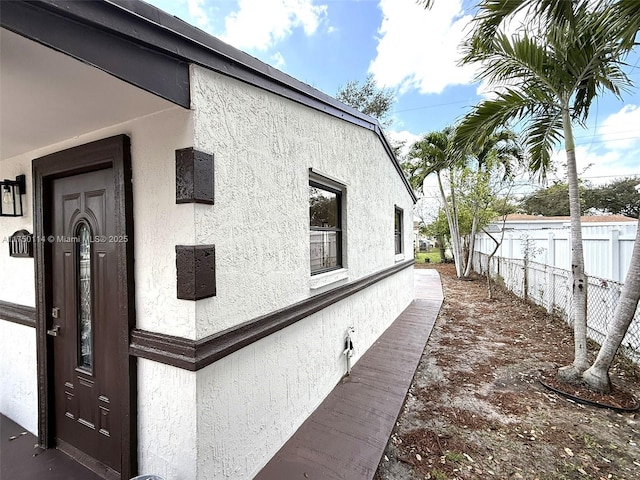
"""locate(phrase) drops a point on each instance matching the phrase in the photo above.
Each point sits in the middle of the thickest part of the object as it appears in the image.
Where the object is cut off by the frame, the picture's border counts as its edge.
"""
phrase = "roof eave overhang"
(75, 29)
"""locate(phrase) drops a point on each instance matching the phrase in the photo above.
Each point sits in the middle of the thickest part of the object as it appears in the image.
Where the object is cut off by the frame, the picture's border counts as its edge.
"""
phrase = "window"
(325, 227)
(398, 229)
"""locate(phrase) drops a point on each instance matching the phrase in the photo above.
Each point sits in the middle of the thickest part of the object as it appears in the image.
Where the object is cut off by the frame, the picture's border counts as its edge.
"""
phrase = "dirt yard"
(476, 409)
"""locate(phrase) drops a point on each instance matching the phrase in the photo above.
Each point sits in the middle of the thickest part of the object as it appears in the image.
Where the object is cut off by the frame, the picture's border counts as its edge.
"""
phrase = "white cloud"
(430, 184)
(403, 136)
(621, 130)
(260, 24)
(278, 60)
(198, 13)
(418, 48)
(613, 152)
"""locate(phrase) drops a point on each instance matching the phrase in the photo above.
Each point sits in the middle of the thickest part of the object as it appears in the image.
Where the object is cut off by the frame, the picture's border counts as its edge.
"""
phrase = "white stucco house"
(194, 235)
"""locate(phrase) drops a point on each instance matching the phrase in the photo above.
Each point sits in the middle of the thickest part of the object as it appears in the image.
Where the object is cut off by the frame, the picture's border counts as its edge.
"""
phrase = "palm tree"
(502, 150)
(548, 79)
(433, 154)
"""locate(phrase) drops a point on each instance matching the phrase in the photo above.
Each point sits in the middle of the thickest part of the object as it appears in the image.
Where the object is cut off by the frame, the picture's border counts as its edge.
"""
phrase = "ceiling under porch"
(47, 97)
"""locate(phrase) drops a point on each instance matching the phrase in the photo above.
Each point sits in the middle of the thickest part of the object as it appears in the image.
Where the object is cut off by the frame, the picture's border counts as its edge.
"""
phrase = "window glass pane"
(85, 344)
(324, 250)
(323, 208)
(398, 231)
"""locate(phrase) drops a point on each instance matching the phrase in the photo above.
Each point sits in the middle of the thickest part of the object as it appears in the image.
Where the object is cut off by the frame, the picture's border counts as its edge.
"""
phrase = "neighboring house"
(206, 228)
(420, 242)
(607, 239)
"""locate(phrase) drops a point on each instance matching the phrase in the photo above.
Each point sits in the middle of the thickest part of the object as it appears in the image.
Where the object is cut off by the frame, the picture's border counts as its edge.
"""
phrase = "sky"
(410, 50)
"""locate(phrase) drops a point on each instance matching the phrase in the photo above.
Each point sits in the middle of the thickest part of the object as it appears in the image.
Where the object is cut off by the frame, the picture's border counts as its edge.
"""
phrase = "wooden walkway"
(19, 460)
(346, 436)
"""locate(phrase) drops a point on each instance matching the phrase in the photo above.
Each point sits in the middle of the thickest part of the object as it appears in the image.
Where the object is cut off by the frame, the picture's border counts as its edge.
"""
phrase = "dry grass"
(476, 409)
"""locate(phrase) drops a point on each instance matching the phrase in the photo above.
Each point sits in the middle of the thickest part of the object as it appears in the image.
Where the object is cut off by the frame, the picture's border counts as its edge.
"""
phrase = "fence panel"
(550, 287)
(607, 247)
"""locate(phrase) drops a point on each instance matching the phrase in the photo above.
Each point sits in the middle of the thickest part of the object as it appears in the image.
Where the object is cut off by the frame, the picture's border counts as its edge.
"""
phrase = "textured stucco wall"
(166, 421)
(18, 368)
(264, 146)
(226, 420)
(18, 375)
(160, 224)
(17, 280)
(252, 401)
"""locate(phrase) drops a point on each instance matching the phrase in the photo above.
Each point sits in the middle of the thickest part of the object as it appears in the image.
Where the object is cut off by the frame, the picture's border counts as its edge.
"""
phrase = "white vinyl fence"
(607, 247)
(550, 287)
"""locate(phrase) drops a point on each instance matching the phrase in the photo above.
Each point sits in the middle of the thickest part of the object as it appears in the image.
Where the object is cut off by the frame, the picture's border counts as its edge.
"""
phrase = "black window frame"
(337, 229)
(398, 237)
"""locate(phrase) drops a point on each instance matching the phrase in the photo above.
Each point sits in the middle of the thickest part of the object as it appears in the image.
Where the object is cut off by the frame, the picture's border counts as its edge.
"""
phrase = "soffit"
(47, 97)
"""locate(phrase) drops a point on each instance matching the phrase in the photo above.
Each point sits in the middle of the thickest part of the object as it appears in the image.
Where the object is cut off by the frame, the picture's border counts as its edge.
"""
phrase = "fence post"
(550, 287)
(551, 260)
(614, 255)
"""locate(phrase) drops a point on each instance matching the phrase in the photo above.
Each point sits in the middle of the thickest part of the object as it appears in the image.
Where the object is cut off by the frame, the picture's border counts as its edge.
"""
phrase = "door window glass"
(85, 341)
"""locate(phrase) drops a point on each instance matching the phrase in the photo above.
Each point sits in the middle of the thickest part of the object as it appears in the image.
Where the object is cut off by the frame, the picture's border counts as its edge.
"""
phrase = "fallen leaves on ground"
(476, 409)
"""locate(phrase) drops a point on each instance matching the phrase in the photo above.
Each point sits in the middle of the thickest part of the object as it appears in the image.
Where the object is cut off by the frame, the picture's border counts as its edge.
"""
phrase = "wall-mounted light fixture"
(12, 191)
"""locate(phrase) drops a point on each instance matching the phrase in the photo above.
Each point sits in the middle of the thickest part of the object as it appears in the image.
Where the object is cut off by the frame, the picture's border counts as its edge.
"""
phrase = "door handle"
(54, 331)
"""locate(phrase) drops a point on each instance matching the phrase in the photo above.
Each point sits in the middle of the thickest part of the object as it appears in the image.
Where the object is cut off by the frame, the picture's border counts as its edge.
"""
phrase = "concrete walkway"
(346, 436)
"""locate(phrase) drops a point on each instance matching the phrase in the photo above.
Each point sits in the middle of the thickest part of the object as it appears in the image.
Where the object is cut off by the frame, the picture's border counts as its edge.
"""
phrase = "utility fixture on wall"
(12, 191)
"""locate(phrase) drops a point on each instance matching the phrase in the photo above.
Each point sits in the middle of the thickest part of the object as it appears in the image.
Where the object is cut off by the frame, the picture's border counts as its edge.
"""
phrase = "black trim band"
(196, 354)
(12, 312)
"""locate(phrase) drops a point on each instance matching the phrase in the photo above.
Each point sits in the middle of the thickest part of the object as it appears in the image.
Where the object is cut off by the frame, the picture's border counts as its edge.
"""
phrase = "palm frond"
(626, 21)
(431, 154)
(542, 133)
(492, 15)
(427, 4)
(490, 116)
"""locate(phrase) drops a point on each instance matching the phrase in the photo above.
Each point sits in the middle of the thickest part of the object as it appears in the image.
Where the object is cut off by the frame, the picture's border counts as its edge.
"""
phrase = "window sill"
(399, 257)
(327, 278)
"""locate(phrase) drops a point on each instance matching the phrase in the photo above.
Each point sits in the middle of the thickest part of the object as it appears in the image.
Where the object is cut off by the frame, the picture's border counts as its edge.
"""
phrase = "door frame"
(111, 152)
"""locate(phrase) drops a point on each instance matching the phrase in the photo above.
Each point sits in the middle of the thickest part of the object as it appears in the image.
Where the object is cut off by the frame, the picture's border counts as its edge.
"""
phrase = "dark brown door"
(84, 316)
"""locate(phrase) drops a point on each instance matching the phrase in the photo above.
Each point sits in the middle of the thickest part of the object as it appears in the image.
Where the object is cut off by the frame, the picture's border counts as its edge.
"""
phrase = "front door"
(84, 315)
(85, 304)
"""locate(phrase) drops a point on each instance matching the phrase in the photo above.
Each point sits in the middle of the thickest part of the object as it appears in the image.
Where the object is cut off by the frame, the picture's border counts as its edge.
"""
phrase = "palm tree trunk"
(453, 230)
(597, 376)
(573, 372)
(472, 241)
(474, 227)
